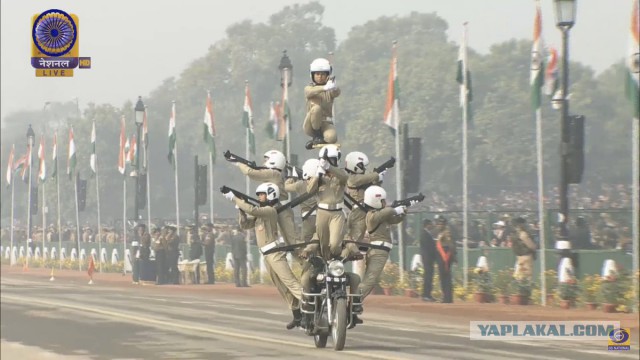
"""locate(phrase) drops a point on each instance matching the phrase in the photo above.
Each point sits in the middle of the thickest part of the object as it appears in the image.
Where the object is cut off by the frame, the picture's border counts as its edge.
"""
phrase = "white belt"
(306, 212)
(354, 206)
(330, 207)
(285, 202)
(134, 243)
(385, 244)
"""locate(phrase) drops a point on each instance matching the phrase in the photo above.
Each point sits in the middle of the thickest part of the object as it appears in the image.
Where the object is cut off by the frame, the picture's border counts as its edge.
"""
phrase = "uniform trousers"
(375, 261)
(330, 230)
(316, 122)
(283, 278)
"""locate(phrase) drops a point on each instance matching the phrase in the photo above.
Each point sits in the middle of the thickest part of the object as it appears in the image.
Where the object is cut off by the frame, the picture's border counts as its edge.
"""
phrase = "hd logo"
(55, 44)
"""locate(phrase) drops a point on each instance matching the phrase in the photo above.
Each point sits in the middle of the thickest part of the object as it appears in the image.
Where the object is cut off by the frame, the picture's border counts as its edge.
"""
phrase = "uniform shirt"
(331, 189)
(266, 175)
(528, 246)
(300, 187)
(317, 95)
(379, 221)
(357, 184)
(265, 221)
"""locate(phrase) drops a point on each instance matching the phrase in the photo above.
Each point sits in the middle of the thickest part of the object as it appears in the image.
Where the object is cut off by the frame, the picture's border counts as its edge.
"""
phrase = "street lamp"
(565, 12)
(31, 135)
(286, 74)
(139, 118)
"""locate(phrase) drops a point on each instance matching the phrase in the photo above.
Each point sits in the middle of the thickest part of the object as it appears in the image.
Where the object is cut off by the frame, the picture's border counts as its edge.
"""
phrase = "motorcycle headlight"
(336, 268)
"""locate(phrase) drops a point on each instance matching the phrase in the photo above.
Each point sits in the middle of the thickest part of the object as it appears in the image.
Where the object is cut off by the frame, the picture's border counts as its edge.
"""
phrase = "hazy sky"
(134, 45)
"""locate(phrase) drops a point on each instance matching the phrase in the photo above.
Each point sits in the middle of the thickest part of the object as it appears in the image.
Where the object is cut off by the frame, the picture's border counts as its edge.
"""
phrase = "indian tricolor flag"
(54, 156)
(71, 157)
(121, 152)
(536, 79)
(551, 73)
(633, 61)
(209, 127)
(392, 110)
(42, 169)
(247, 119)
(463, 76)
(172, 136)
(10, 165)
(92, 159)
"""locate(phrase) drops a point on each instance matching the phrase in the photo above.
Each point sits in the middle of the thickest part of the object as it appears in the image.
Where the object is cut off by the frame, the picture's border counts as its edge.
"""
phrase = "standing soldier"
(239, 254)
(328, 183)
(446, 249)
(173, 253)
(160, 249)
(355, 165)
(209, 242)
(525, 250)
(264, 220)
(319, 95)
(429, 256)
(274, 163)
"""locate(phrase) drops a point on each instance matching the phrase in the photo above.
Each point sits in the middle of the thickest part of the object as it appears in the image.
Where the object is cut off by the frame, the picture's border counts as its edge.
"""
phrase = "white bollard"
(83, 254)
(7, 253)
(103, 255)
(416, 262)
(74, 254)
(484, 264)
(37, 254)
(29, 252)
(54, 253)
(63, 254)
(94, 254)
(228, 263)
(565, 270)
(114, 257)
(127, 261)
(609, 268)
(14, 255)
(21, 253)
(45, 253)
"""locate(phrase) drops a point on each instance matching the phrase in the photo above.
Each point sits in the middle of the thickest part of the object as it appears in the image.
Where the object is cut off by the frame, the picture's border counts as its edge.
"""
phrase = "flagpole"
(210, 187)
(175, 168)
(399, 196)
(75, 185)
(541, 221)
(29, 205)
(99, 221)
(58, 203)
(44, 216)
(11, 257)
(124, 224)
(636, 202)
(465, 203)
(285, 113)
(333, 104)
(146, 169)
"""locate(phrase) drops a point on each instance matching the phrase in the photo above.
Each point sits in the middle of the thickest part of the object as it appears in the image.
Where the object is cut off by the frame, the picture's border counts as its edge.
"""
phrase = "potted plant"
(482, 285)
(611, 292)
(590, 287)
(521, 291)
(568, 292)
(389, 277)
(503, 286)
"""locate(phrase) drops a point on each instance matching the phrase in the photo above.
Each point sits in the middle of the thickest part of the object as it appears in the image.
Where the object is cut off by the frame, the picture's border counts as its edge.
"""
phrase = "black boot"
(357, 305)
(355, 321)
(297, 317)
(318, 138)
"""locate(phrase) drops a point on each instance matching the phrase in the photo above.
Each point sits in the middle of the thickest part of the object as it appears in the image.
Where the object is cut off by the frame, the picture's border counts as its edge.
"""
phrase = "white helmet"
(331, 153)
(320, 65)
(356, 162)
(274, 159)
(374, 195)
(271, 189)
(309, 168)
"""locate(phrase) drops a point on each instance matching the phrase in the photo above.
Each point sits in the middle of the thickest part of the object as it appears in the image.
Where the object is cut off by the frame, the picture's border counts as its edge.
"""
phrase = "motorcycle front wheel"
(339, 326)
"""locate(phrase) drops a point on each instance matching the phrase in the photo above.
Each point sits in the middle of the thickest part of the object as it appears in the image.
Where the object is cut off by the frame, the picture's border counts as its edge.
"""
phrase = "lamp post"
(565, 12)
(286, 74)
(139, 109)
(31, 135)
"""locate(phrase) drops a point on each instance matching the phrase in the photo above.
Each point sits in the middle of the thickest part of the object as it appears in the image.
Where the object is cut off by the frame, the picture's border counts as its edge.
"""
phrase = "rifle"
(295, 202)
(408, 201)
(386, 165)
(229, 156)
(248, 199)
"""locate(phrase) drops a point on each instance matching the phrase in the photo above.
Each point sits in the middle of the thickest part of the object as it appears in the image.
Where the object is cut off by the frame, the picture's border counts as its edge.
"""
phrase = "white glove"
(381, 175)
(330, 85)
(229, 196)
(324, 164)
(320, 171)
(400, 210)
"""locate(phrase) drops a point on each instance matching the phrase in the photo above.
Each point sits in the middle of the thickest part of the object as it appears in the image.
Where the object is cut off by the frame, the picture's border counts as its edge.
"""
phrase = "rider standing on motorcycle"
(378, 220)
(265, 222)
(328, 183)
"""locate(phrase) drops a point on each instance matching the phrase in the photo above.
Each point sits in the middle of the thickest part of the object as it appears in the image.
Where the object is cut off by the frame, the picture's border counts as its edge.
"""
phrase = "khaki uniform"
(285, 217)
(524, 248)
(308, 224)
(330, 219)
(319, 108)
(265, 222)
(378, 226)
(356, 185)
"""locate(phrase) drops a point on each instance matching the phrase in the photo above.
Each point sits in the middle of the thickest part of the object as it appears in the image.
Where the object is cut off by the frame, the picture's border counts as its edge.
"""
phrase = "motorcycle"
(329, 307)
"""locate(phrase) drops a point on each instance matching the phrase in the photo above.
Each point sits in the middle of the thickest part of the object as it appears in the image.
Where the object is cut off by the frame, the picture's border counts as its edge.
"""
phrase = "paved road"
(68, 319)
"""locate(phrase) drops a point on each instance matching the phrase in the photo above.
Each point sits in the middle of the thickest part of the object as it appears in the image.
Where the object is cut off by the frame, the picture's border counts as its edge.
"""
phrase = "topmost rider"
(320, 94)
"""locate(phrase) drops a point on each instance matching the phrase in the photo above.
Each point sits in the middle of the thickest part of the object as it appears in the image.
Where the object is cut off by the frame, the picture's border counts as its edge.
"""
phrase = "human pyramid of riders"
(324, 191)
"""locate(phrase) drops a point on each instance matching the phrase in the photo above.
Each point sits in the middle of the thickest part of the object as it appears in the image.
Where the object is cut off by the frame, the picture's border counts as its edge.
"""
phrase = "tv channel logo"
(55, 44)
(620, 339)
